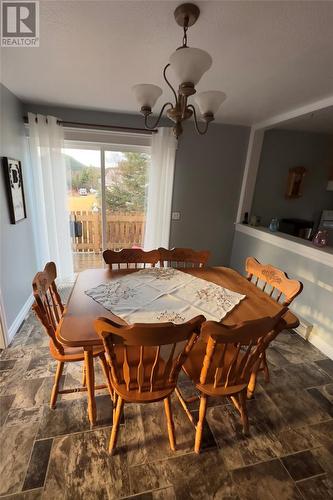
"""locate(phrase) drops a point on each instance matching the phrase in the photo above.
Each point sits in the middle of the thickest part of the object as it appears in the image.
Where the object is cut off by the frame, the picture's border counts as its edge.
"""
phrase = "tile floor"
(53, 454)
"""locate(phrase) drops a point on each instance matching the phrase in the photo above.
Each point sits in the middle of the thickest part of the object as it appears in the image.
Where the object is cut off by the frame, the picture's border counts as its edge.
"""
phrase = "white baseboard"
(309, 332)
(324, 347)
(19, 319)
(304, 328)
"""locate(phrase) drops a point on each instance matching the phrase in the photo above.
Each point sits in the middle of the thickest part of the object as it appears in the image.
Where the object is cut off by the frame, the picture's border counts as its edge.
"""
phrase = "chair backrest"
(131, 258)
(183, 257)
(275, 282)
(233, 351)
(147, 357)
(48, 306)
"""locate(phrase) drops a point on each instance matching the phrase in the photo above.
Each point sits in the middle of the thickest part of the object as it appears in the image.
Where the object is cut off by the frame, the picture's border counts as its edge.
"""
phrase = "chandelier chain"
(185, 36)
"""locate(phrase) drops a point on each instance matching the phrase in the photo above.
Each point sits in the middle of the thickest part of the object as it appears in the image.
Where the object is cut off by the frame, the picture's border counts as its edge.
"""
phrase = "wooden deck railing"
(123, 230)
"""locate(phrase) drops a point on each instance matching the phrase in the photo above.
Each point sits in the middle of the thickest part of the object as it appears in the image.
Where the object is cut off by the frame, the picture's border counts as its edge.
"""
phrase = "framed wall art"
(295, 182)
(12, 171)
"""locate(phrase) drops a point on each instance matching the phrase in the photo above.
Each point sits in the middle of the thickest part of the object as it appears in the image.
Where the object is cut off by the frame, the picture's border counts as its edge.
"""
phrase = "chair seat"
(73, 353)
(193, 367)
(146, 396)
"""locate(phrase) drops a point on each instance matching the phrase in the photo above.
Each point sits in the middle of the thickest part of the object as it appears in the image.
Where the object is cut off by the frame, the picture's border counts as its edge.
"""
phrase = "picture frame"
(12, 171)
(295, 182)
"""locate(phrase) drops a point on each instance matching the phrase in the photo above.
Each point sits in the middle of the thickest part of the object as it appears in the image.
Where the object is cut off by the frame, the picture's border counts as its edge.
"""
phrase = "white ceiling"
(268, 56)
(318, 121)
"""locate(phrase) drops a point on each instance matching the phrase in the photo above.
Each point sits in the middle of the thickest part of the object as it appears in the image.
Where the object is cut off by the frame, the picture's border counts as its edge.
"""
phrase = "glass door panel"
(85, 206)
(126, 182)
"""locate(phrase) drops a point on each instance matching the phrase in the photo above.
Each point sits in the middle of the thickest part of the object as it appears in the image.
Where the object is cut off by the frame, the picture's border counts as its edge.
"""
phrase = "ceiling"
(268, 57)
(318, 121)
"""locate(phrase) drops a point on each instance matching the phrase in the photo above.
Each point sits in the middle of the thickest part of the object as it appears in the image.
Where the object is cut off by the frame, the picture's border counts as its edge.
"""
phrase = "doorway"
(107, 192)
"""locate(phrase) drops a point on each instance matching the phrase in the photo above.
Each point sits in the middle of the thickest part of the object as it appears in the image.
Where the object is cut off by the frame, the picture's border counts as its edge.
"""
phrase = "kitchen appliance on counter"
(321, 238)
(297, 227)
(326, 224)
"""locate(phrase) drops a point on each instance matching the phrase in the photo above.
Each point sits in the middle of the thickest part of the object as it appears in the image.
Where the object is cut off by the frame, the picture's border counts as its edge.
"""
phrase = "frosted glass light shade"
(146, 94)
(210, 101)
(189, 64)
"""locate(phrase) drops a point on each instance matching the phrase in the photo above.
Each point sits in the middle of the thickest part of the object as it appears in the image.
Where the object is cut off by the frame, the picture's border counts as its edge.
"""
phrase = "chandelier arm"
(201, 132)
(169, 84)
(184, 106)
(152, 127)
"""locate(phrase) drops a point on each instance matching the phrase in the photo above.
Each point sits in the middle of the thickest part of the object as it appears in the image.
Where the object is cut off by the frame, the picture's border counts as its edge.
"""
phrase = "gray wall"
(283, 149)
(315, 302)
(206, 191)
(208, 174)
(17, 254)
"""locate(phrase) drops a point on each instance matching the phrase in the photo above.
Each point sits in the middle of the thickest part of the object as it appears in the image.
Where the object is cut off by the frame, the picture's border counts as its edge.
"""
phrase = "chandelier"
(188, 64)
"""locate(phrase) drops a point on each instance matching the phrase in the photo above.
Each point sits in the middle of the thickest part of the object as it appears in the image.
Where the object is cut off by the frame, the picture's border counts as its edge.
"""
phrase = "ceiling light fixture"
(189, 64)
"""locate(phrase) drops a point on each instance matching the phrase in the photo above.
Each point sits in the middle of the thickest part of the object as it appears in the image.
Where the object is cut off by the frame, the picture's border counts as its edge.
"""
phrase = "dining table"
(76, 328)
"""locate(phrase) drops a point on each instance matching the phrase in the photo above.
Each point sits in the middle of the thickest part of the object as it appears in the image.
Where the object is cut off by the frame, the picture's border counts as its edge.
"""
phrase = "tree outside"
(126, 183)
(88, 177)
(127, 189)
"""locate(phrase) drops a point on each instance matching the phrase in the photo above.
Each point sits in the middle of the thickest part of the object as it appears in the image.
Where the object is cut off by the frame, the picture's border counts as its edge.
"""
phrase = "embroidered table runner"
(164, 294)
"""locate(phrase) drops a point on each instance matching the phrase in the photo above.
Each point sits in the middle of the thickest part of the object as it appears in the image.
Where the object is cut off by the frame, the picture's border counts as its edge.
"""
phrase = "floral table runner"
(164, 294)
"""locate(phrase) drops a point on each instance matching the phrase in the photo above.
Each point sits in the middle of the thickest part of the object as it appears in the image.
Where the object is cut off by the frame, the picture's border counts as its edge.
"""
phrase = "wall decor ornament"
(295, 182)
(12, 171)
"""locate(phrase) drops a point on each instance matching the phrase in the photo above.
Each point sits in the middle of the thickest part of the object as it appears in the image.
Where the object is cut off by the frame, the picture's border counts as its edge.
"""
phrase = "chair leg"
(243, 412)
(236, 403)
(55, 389)
(84, 379)
(265, 367)
(184, 405)
(90, 374)
(106, 371)
(202, 416)
(115, 424)
(114, 405)
(262, 366)
(171, 427)
(252, 385)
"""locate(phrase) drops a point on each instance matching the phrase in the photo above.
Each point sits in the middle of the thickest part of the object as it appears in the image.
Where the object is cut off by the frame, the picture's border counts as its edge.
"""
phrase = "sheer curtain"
(163, 153)
(51, 218)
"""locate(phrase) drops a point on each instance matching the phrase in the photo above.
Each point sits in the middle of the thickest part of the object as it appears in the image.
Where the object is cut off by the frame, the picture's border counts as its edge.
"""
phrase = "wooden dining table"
(77, 326)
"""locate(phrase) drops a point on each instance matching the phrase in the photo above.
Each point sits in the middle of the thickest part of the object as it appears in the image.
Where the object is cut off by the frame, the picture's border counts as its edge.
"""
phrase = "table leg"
(90, 381)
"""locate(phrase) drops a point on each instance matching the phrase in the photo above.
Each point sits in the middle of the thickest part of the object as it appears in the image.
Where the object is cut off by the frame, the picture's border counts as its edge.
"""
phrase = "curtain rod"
(98, 126)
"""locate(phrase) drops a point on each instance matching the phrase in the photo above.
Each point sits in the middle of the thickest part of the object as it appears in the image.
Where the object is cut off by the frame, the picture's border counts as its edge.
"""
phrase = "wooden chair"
(49, 310)
(183, 257)
(275, 282)
(131, 258)
(145, 360)
(222, 364)
(278, 286)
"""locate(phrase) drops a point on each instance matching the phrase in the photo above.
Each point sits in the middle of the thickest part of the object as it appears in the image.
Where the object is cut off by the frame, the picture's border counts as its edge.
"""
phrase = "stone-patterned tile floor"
(53, 454)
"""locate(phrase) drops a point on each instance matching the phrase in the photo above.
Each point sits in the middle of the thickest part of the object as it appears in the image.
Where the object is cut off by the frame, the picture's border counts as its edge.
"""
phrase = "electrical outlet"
(175, 216)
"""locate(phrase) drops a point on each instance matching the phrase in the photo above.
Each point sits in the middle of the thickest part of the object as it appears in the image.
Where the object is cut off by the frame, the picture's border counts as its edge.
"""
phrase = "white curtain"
(163, 153)
(51, 218)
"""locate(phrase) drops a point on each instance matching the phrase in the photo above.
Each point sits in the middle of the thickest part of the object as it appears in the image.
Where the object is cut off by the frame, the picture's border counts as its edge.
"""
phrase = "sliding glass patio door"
(84, 181)
(107, 191)
(126, 182)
